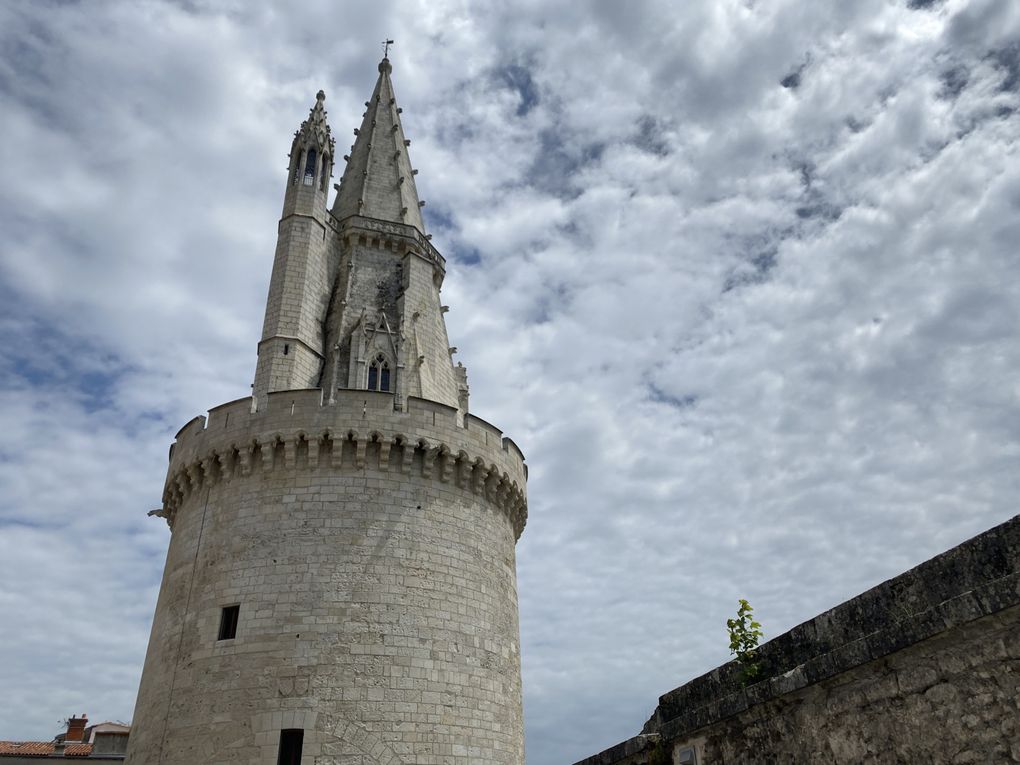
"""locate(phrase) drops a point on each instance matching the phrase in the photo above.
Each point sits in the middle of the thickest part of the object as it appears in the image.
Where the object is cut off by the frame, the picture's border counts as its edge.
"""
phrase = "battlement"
(358, 431)
(387, 235)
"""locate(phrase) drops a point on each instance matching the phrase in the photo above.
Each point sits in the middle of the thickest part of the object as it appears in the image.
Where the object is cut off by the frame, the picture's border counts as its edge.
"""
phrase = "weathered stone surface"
(378, 602)
(365, 531)
(922, 668)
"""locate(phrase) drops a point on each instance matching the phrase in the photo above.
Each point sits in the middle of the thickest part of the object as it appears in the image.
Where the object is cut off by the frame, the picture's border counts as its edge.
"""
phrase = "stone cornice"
(389, 233)
(360, 432)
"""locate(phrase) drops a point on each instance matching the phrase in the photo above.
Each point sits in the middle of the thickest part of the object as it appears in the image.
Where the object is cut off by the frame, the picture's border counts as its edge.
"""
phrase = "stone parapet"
(975, 579)
(964, 596)
(359, 431)
(389, 235)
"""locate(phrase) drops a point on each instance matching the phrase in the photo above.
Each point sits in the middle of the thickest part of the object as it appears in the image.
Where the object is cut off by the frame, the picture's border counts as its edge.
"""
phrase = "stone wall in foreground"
(922, 668)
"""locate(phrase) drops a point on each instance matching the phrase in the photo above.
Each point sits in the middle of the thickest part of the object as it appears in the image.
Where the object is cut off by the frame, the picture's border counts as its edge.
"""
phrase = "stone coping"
(974, 579)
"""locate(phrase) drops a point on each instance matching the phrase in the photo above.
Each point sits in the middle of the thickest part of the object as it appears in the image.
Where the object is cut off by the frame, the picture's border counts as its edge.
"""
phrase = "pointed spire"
(315, 130)
(378, 181)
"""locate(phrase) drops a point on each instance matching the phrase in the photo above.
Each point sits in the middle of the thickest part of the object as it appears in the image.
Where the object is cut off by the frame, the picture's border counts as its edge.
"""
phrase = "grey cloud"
(847, 410)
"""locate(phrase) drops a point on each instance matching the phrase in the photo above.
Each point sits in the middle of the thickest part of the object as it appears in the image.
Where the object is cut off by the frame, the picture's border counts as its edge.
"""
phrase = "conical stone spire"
(378, 181)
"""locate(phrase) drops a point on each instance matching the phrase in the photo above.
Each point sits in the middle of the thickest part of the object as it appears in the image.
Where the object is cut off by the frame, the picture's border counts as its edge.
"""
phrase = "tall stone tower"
(340, 586)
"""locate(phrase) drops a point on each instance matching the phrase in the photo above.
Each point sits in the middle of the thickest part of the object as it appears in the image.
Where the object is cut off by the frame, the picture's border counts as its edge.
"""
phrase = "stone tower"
(340, 586)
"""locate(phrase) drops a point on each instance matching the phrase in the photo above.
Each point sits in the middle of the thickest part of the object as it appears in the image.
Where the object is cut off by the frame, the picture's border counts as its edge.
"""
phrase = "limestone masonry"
(340, 586)
(923, 668)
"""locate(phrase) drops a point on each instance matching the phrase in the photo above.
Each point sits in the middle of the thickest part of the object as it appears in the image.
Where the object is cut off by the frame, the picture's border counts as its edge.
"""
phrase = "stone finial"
(385, 67)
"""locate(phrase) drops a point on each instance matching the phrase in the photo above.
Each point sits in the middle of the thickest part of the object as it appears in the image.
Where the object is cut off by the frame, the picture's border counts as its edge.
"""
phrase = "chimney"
(76, 729)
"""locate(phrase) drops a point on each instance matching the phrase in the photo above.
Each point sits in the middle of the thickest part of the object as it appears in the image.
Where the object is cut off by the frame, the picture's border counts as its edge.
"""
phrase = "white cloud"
(757, 340)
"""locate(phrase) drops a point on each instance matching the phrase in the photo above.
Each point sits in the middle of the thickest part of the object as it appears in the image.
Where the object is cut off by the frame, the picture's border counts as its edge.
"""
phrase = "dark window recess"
(310, 168)
(286, 349)
(290, 746)
(379, 374)
(228, 623)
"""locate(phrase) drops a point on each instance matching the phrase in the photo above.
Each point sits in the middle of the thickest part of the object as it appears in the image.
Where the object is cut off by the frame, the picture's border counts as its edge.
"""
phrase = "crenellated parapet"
(399, 238)
(358, 432)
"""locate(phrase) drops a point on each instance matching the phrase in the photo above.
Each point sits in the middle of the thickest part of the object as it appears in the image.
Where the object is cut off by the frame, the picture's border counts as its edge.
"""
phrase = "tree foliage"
(745, 634)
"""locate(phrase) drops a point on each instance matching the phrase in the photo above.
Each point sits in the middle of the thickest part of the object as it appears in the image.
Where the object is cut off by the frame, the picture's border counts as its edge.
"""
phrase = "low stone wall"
(922, 668)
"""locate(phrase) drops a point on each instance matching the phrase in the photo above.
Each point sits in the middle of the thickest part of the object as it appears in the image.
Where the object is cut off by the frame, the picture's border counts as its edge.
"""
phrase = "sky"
(741, 278)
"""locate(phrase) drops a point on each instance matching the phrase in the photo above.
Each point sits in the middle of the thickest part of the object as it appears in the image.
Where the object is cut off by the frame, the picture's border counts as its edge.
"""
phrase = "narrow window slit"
(228, 622)
(310, 168)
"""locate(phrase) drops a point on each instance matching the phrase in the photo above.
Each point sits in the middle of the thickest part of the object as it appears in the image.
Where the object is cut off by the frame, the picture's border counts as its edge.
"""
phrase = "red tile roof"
(41, 749)
(26, 748)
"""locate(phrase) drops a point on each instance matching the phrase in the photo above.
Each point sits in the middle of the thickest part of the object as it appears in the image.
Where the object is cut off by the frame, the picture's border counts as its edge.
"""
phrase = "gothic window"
(310, 168)
(379, 374)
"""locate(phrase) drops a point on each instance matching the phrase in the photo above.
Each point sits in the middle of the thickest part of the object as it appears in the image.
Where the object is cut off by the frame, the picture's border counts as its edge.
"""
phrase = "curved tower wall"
(371, 553)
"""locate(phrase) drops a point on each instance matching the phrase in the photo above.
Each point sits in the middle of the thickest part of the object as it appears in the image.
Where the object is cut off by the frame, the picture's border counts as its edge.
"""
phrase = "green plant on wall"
(745, 634)
(659, 755)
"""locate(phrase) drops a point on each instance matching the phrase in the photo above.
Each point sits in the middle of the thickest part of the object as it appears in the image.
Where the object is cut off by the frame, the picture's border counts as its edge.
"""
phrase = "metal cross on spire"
(386, 48)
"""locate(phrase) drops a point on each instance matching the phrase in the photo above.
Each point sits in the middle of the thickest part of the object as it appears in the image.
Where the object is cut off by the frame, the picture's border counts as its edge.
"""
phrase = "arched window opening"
(379, 374)
(325, 174)
(296, 157)
(310, 168)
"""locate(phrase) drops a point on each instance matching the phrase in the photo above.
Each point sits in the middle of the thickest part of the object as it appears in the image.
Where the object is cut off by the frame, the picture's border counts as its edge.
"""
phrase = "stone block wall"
(427, 356)
(299, 291)
(389, 268)
(372, 555)
(922, 668)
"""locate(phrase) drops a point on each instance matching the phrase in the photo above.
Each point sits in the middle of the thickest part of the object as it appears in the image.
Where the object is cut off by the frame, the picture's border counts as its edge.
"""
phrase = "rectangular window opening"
(291, 740)
(228, 622)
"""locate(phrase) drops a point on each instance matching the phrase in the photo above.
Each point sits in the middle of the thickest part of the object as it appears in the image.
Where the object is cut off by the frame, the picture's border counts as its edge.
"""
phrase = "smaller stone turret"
(311, 165)
(290, 352)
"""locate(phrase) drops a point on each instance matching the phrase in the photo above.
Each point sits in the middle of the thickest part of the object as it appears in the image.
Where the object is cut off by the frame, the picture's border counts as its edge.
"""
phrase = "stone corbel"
(336, 460)
(406, 457)
(446, 469)
(428, 459)
(360, 446)
(244, 457)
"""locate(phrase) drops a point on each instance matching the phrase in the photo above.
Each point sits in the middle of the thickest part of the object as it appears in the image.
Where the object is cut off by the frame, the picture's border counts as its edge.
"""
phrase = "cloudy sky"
(741, 277)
